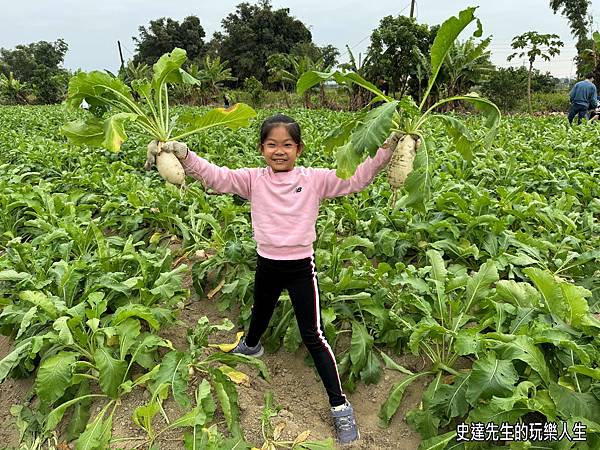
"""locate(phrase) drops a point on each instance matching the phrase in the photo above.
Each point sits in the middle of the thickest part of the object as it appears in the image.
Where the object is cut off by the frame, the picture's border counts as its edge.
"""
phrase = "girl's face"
(279, 150)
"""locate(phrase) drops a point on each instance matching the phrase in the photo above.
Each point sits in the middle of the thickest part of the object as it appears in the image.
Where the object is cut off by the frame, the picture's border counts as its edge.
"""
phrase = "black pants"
(581, 111)
(299, 277)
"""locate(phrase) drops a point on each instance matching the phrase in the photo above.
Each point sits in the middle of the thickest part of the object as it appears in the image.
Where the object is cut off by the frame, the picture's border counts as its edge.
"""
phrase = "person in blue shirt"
(584, 97)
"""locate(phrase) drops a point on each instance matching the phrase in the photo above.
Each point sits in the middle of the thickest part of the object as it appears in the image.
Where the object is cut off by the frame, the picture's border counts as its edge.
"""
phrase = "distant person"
(583, 97)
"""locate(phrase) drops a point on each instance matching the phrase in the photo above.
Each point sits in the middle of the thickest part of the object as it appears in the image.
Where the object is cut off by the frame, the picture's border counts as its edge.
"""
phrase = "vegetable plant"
(114, 106)
(365, 133)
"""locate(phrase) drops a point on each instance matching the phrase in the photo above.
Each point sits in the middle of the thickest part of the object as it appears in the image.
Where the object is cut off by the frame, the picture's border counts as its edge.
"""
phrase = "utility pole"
(412, 8)
(121, 55)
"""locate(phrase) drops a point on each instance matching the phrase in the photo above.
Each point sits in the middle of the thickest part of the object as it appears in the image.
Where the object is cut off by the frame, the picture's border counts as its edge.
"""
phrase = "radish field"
(492, 288)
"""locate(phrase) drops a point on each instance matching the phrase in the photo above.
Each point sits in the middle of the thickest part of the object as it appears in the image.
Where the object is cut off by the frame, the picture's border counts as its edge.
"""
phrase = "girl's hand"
(179, 149)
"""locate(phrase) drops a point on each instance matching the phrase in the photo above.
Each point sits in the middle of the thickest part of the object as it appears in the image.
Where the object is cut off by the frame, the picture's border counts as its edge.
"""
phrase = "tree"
(38, 65)
(253, 33)
(576, 11)
(467, 64)
(12, 91)
(590, 57)
(164, 34)
(395, 51)
(534, 45)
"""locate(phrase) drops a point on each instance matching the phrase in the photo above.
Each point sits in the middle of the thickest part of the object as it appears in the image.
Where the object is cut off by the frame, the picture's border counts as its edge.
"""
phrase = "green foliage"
(164, 35)
(254, 88)
(112, 105)
(37, 66)
(254, 32)
(397, 49)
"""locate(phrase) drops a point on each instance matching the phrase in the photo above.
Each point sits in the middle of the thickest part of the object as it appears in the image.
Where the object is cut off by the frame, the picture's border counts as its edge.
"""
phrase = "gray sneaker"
(244, 349)
(345, 424)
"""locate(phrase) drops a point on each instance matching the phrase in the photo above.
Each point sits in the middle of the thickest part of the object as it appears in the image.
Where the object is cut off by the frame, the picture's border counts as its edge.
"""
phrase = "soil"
(296, 389)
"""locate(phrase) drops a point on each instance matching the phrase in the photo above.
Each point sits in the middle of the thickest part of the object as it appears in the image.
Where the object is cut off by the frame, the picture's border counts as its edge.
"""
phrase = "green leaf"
(340, 135)
(521, 347)
(438, 442)
(12, 360)
(97, 434)
(371, 373)
(360, 344)
(40, 300)
(424, 422)
(128, 332)
(64, 333)
(489, 377)
(112, 371)
(167, 69)
(12, 275)
(114, 130)
(479, 286)
(571, 404)
(444, 40)
(98, 89)
(54, 376)
(450, 400)
(372, 131)
(55, 416)
(202, 413)
(564, 300)
(26, 321)
(81, 412)
(310, 79)
(174, 372)
(232, 359)
(392, 403)
(517, 294)
(484, 106)
(391, 364)
(347, 159)
(228, 399)
(234, 117)
(135, 310)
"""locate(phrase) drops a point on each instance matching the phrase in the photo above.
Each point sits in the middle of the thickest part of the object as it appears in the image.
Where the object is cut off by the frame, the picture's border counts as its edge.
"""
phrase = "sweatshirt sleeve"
(329, 185)
(221, 179)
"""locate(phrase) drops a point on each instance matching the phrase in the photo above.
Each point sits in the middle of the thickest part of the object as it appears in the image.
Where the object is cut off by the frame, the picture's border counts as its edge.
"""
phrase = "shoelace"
(344, 423)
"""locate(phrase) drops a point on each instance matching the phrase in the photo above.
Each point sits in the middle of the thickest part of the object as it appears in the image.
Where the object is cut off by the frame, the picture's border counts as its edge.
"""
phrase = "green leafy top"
(112, 104)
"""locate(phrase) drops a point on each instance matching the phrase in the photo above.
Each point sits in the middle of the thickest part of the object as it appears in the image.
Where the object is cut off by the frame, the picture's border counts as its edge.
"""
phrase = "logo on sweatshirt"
(298, 189)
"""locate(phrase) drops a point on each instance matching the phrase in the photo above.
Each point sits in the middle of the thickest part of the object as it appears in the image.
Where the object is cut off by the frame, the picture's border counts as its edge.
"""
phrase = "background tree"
(164, 34)
(396, 46)
(590, 58)
(507, 86)
(39, 66)
(467, 65)
(576, 11)
(359, 96)
(253, 33)
(534, 45)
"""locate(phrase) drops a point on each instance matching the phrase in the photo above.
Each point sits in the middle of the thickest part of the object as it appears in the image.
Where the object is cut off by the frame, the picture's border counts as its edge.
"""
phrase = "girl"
(284, 203)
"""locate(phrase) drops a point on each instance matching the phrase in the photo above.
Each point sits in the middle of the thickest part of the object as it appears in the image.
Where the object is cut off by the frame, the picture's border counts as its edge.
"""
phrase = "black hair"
(279, 120)
(589, 76)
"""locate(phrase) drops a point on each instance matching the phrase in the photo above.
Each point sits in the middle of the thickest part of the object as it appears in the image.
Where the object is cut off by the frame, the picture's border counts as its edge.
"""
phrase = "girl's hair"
(281, 120)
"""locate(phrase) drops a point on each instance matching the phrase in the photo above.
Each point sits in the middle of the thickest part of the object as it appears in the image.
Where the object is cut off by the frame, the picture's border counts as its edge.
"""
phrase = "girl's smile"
(280, 151)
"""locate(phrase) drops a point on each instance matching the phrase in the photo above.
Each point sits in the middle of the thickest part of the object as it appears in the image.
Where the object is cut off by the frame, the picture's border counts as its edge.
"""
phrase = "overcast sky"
(92, 28)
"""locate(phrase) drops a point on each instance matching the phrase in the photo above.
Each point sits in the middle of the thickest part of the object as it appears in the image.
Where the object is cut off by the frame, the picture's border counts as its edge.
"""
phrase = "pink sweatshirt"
(284, 205)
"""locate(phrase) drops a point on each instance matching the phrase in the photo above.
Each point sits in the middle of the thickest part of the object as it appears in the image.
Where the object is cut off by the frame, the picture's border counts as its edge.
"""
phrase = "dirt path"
(296, 389)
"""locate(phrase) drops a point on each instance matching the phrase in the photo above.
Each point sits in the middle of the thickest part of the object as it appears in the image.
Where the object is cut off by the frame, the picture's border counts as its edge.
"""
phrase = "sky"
(91, 29)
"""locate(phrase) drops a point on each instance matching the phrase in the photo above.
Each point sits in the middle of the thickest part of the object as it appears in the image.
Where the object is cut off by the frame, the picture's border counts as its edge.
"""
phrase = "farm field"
(478, 309)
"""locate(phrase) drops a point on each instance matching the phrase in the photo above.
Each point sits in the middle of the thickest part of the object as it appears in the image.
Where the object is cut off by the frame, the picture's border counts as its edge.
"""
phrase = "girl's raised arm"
(221, 179)
(329, 185)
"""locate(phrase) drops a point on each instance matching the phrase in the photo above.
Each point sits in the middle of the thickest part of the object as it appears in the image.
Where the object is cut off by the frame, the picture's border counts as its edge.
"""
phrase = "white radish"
(402, 161)
(169, 167)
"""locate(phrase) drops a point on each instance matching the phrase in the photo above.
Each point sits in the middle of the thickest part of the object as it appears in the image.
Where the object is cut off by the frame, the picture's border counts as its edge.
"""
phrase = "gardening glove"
(179, 149)
(392, 141)
(151, 155)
